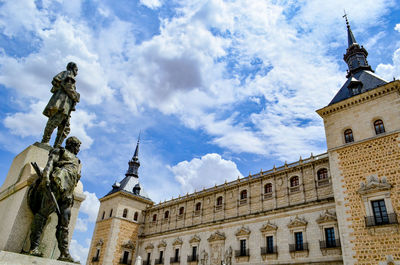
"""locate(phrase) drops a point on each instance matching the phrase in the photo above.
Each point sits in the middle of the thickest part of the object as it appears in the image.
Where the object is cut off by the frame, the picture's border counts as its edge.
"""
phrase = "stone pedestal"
(10, 258)
(15, 215)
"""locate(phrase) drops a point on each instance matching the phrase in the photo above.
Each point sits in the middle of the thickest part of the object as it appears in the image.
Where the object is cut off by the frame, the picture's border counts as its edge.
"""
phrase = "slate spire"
(356, 56)
(134, 163)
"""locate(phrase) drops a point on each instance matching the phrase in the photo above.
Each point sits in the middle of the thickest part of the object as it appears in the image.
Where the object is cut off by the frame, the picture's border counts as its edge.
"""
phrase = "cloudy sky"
(217, 88)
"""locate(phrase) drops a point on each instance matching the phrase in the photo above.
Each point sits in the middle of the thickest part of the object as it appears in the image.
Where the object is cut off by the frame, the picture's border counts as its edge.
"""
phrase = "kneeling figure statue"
(53, 191)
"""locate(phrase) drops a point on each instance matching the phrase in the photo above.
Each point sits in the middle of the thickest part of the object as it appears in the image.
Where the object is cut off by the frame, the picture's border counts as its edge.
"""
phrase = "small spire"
(134, 163)
(350, 37)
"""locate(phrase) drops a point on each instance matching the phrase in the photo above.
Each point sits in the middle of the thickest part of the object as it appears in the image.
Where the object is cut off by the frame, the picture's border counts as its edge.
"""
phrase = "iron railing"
(146, 262)
(94, 259)
(242, 253)
(159, 261)
(329, 244)
(122, 261)
(390, 218)
(175, 260)
(298, 247)
(269, 250)
(192, 258)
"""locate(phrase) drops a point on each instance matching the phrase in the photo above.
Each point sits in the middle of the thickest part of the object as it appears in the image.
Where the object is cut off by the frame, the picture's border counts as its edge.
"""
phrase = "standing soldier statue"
(63, 101)
(53, 191)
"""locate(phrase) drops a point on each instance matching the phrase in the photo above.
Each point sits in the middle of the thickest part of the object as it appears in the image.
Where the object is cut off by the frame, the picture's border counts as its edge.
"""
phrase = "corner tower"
(362, 127)
(115, 237)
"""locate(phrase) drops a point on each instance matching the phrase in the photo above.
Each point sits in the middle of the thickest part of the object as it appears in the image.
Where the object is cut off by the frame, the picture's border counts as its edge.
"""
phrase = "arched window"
(111, 212)
(154, 217)
(243, 194)
(219, 201)
(102, 217)
(379, 127)
(125, 213)
(322, 174)
(181, 210)
(294, 181)
(348, 136)
(268, 188)
(198, 206)
(135, 216)
(166, 215)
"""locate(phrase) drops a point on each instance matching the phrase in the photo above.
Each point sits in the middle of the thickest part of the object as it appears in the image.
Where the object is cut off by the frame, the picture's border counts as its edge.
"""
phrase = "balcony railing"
(159, 261)
(329, 244)
(323, 182)
(269, 250)
(122, 261)
(243, 201)
(242, 253)
(295, 189)
(268, 195)
(391, 218)
(94, 259)
(146, 262)
(218, 207)
(175, 260)
(197, 213)
(192, 258)
(298, 247)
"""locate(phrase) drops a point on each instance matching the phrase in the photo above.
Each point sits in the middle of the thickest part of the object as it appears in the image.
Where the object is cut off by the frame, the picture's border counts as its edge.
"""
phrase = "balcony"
(95, 259)
(174, 260)
(197, 213)
(267, 195)
(391, 218)
(125, 261)
(218, 208)
(329, 244)
(242, 255)
(192, 258)
(298, 250)
(243, 201)
(268, 253)
(294, 189)
(146, 262)
(323, 182)
(159, 261)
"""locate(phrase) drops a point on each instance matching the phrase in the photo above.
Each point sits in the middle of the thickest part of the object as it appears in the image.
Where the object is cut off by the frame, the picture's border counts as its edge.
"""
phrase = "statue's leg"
(62, 231)
(52, 123)
(62, 131)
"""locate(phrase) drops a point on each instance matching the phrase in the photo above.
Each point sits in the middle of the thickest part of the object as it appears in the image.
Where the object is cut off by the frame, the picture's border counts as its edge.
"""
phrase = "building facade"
(335, 208)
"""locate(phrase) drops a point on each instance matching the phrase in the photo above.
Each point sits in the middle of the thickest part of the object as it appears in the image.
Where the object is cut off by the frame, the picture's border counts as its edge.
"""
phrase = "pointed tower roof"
(360, 76)
(130, 183)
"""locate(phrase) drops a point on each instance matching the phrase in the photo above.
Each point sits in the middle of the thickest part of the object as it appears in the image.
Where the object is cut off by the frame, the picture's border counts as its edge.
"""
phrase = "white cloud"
(397, 27)
(206, 171)
(388, 71)
(78, 251)
(153, 4)
(89, 207)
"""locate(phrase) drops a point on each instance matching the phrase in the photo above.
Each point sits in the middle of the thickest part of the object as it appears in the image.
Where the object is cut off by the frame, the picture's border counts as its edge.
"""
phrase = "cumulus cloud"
(80, 251)
(206, 171)
(389, 71)
(153, 4)
(397, 27)
(89, 208)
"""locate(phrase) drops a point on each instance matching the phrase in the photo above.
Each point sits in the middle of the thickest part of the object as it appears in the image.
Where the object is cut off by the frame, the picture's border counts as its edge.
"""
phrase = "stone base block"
(10, 258)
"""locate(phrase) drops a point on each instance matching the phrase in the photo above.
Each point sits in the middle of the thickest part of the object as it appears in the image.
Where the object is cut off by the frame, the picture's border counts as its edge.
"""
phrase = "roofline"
(128, 195)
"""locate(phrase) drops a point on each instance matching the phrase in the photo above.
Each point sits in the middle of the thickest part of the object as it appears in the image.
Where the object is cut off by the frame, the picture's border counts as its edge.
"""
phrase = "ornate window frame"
(329, 220)
(298, 225)
(297, 188)
(243, 234)
(269, 229)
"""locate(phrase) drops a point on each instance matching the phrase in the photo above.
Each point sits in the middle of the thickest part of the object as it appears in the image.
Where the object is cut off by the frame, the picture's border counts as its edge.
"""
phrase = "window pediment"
(327, 217)
(243, 231)
(374, 184)
(149, 247)
(129, 245)
(194, 239)
(177, 242)
(268, 227)
(162, 244)
(216, 236)
(297, 222)
(99, 243)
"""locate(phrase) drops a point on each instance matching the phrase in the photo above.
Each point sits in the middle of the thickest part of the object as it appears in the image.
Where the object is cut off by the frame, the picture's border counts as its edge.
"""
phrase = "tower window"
(181, 210)
(125, 213)
(348, 136)
(294, 181)
(198, 206)
(379, 127)
(330, 237)
(243, 194)
(219, 201)
(111, 212)
(154, 217)
(102, 217)
(380, 213)
(268, 188)
(135, 216)
(322, 174)
(166, 215)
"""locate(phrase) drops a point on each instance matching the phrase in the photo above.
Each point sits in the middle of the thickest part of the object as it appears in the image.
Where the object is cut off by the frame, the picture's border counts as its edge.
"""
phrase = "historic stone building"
(335, 208)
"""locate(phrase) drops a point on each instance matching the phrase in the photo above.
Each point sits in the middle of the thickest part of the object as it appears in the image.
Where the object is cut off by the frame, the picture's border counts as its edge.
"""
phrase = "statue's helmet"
(72, 141)
(71, 66)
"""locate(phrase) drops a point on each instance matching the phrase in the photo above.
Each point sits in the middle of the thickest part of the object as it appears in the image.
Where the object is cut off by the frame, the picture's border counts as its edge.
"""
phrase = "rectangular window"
(243, 247)
(148, 258)
(125, 257)
(330, 237)
(380, 213)
(161, 255)
(194, 252)
(270, 244)
(97, 253)
(176, 258)
(298, 236)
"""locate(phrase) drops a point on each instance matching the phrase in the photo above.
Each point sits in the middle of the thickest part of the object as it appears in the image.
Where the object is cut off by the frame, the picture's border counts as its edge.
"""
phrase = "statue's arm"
(54, 156)
(68, 85)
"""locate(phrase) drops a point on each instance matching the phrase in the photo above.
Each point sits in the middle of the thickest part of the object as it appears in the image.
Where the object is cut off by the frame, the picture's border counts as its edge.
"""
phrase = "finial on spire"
(134, 163)
(345, 17)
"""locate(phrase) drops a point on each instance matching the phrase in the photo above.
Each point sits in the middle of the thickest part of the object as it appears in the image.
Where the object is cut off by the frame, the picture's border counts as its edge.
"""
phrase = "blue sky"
(217, 88)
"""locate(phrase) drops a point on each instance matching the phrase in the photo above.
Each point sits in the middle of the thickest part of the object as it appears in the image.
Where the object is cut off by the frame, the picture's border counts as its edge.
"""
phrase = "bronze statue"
(59, 108)
(53, 191)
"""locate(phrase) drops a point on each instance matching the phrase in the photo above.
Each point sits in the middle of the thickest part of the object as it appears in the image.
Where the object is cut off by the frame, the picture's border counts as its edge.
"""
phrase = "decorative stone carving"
(177, 242)
(162, 244)
(99, 243)
(149, 247)
(129, 245)
(217, 236)
(297, 222)
(204, 258)
(327, 217)
(373, 184)
(195, 239)
(268, 227)
(228, 256)
(243, 231)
